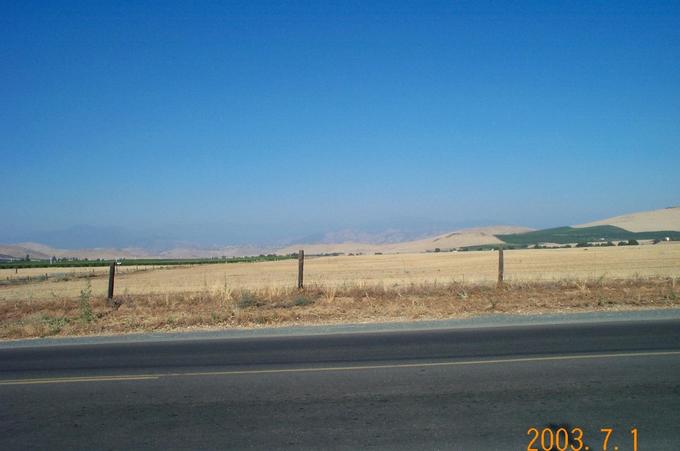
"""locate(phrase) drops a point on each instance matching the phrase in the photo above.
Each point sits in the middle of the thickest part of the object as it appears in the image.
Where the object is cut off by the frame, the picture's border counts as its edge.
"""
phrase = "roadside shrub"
(246, 299)
(85, 307)
(54, 324)
(301, 301)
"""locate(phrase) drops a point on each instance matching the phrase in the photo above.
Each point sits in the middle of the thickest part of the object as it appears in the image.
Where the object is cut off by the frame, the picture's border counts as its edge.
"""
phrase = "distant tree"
(633, 243)
(28, 258)
(436, 249)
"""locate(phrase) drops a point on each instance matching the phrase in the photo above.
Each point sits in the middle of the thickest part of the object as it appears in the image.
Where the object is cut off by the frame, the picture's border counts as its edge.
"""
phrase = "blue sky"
(287, 118)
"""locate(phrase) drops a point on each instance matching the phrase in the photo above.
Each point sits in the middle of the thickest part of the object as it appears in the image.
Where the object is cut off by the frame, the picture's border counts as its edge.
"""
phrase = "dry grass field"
(65, 272)
(346, 289)
(383, 270)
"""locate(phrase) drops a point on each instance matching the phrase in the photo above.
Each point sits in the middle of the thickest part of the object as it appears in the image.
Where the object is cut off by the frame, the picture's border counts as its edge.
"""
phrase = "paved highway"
(466, 389)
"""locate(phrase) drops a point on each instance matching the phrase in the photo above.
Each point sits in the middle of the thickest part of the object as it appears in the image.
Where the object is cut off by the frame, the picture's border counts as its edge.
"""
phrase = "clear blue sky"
(285, 115)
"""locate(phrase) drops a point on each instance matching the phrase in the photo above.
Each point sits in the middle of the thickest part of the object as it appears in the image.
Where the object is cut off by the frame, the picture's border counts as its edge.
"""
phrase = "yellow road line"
(134, 377)
(63, 380)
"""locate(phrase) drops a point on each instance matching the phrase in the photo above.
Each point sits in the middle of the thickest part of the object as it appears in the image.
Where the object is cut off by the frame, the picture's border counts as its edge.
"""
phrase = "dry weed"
(275, 305)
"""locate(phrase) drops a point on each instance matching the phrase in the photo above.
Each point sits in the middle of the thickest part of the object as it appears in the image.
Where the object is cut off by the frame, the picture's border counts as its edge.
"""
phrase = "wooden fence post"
(301, 268)
(112, 275)
(500, 267)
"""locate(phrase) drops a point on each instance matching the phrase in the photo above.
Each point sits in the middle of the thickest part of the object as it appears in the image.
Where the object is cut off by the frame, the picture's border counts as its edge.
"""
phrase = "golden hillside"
(644, 221)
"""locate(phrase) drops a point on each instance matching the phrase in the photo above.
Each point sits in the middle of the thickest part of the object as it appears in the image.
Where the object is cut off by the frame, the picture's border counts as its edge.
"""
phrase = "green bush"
(247, 299)
(301, 301)
(85, 307)
(54, 324)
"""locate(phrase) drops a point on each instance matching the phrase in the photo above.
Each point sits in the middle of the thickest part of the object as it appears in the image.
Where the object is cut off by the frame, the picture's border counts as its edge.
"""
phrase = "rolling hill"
(647, 225)
(39, 251)
(20, 251)
(646, 221)
(572, 235)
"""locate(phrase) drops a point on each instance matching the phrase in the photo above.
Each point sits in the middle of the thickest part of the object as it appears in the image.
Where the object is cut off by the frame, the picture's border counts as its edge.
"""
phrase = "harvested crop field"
(396, 270)
(57, 273)
(346, 289)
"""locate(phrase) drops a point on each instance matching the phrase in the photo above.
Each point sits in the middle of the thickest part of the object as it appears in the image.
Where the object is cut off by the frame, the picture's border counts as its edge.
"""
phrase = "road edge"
(484, 321)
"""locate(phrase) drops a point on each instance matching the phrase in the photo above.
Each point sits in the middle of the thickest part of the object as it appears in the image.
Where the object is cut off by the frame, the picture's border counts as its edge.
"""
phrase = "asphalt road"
(466, 389)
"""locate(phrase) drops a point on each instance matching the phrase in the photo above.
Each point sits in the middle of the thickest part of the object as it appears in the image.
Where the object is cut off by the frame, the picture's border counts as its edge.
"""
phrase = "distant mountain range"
(655, 224)
(449, 240)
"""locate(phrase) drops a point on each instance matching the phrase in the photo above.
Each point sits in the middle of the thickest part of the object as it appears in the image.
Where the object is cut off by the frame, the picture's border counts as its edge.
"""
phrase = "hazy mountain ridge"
(41, 252)
(391, 240)
(449, 240)
(654, 220)
(360, 236)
